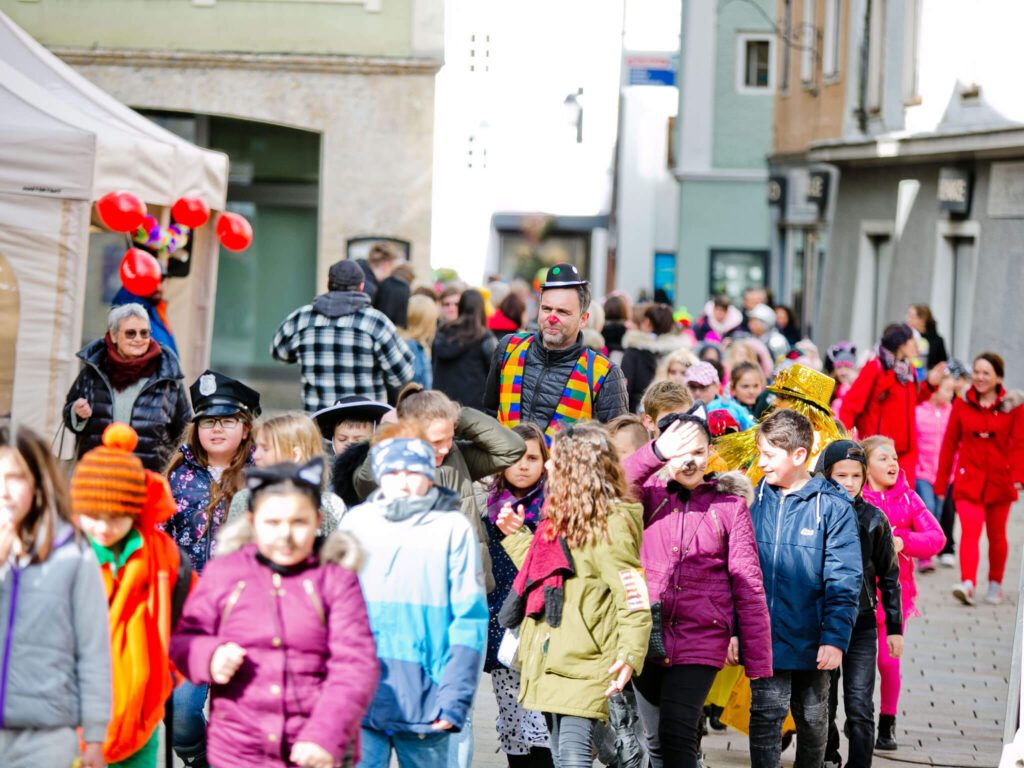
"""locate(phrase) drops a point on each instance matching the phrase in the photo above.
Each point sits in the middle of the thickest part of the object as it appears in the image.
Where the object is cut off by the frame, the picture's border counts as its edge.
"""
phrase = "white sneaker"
(964, 592)
(995, 593)
(947, 560)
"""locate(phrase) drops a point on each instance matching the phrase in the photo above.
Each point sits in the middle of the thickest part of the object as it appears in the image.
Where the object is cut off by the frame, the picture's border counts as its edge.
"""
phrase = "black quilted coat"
(545, 375)
(159, 416)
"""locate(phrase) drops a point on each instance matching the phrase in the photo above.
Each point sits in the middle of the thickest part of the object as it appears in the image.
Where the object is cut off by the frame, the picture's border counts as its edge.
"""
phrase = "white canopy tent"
(63, 144)
(194, 171)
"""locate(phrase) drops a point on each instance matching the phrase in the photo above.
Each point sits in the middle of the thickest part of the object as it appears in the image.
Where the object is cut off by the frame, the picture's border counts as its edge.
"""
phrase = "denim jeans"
(670, 701)
(926, 491)
(572, 740)
(413, 750)
(858, 674)
(805, 691)
(460, 745)
(189, 724)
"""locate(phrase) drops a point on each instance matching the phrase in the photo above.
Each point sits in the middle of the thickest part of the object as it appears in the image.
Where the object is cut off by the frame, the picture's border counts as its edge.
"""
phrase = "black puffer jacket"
(461, 368)
(544, 378)
(881, 565)
(159, 416)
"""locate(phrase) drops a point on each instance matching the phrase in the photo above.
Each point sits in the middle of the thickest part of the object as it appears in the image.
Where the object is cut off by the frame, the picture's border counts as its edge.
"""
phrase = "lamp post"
(574, 112)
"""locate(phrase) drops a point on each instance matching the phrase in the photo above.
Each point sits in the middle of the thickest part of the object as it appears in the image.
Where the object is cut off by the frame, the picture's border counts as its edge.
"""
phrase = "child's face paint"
(883, 467)
(285, 527)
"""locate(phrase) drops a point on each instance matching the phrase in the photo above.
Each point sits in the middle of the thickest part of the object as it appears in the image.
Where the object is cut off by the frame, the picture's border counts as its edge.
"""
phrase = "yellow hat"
(803, 383)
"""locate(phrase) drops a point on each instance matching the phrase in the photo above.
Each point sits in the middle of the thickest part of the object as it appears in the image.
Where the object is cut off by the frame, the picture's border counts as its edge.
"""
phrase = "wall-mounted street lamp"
(574, 112)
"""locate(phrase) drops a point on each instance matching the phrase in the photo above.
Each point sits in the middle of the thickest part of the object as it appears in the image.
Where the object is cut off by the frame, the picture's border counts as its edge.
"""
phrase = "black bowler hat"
(563, 275)
(214, 394)
(349, 408)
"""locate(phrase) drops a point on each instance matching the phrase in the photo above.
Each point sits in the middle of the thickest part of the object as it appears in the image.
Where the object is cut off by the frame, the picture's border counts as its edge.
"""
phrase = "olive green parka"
(565, 669)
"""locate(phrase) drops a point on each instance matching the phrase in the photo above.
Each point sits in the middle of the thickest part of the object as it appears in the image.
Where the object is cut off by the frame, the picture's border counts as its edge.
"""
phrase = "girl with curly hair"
(579, 600)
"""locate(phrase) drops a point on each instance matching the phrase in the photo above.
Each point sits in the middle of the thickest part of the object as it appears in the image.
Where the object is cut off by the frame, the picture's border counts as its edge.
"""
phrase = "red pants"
(973, 518)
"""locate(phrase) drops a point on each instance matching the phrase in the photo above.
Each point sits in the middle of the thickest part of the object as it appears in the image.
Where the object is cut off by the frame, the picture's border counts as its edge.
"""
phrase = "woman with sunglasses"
(205, 474)
(128, 377)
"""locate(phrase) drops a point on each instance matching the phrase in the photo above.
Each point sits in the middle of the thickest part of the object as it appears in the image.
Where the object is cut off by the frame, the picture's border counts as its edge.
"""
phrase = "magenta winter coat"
(718, 584)
(310, 669)
(912, 522)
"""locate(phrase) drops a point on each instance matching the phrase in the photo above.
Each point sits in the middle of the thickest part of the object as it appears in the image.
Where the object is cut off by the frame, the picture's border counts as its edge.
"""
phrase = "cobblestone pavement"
(954, 681)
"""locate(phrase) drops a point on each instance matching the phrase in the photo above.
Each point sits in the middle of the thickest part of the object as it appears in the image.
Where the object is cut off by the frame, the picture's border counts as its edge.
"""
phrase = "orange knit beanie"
(110, 480)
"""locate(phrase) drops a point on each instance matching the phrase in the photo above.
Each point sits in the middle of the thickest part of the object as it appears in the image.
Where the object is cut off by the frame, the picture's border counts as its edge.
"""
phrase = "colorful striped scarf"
(577, 400)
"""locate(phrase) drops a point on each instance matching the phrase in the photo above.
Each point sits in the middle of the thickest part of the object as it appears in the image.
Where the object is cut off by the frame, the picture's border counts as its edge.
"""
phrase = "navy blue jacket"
(811, 560)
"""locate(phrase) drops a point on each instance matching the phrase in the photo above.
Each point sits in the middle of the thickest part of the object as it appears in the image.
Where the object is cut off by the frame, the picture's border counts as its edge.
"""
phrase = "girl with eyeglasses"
(205, 474)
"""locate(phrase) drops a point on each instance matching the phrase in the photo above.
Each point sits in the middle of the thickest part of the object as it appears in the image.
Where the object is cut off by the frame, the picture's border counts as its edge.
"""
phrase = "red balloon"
(234, 231)
(190, 211)
(121, 211)
(140, 272)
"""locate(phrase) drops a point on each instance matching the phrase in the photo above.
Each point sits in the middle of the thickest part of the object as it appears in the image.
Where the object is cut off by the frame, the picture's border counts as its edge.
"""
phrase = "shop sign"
(817, 188)
(777, 191)
(955, 191)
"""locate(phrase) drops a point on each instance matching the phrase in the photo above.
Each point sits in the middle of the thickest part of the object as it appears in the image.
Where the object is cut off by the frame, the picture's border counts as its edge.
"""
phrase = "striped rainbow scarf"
(577, 401)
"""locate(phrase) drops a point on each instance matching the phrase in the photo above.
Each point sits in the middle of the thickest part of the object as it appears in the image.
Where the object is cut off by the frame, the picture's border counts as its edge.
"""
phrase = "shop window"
(734, 271)
(755, 67)
(275, 183)
(665, 277)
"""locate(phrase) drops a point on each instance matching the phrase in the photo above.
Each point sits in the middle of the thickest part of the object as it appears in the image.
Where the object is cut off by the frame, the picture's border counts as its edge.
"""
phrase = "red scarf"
(122, 371)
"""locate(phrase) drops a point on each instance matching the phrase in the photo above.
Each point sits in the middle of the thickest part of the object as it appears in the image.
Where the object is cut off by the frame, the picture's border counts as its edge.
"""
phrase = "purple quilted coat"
(701, 561)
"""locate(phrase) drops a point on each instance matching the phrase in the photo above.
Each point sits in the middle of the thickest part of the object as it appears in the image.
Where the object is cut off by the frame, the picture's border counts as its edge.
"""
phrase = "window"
(755, 68)
(808, 38)
(787, 27)
(734, 271)
(876, 56)
(912, 34)
(830, 35)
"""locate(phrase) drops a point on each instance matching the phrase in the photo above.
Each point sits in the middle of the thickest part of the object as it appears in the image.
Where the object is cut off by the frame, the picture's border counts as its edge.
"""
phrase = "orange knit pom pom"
(120, 436)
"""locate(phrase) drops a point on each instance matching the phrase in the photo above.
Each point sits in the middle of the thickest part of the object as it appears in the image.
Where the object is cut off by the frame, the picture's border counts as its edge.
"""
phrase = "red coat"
(877, 404)
(990, 442)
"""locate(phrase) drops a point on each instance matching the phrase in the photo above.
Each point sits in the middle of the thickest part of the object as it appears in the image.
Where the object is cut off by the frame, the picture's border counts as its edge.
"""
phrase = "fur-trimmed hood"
(735, 484)
(340, 548)
(1012, 399)
(659, 345)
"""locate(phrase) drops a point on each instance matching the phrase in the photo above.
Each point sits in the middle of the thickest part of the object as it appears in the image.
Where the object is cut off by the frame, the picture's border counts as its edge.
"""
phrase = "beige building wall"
(376, 118)
(810, 110)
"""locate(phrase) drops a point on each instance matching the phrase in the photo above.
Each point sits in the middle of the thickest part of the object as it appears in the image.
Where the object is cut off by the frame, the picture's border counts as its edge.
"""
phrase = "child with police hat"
(204, 476)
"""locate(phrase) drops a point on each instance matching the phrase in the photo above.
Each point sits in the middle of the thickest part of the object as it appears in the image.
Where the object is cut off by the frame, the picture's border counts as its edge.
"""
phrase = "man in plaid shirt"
(342, 344)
